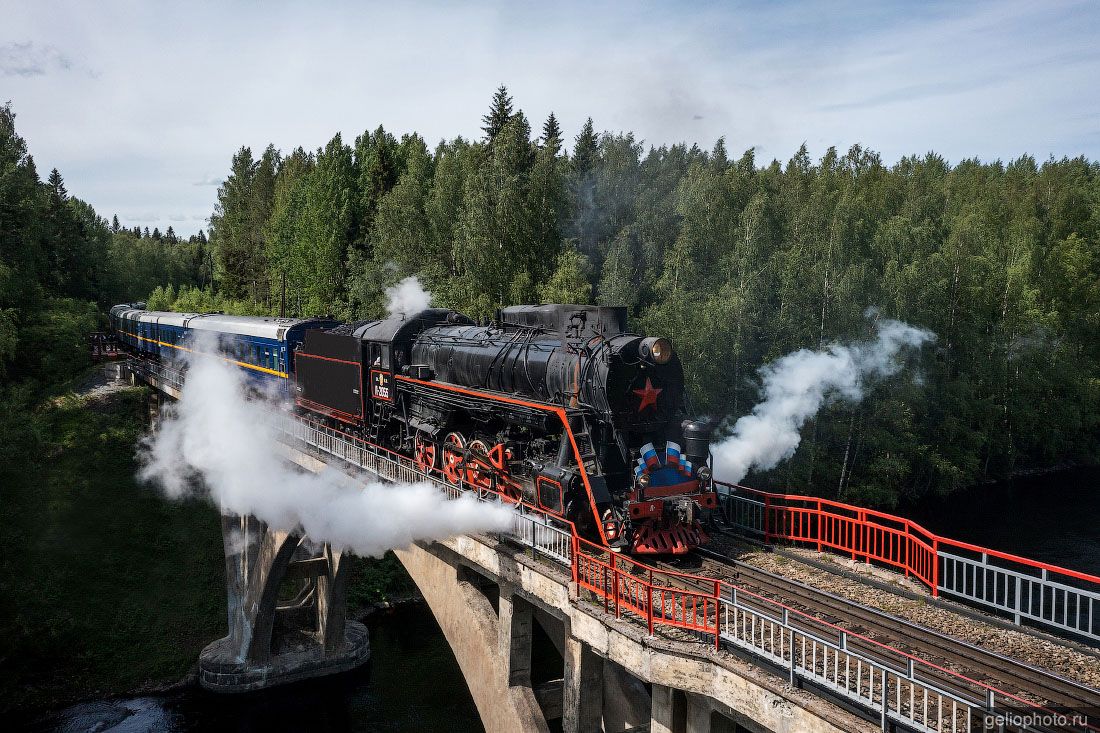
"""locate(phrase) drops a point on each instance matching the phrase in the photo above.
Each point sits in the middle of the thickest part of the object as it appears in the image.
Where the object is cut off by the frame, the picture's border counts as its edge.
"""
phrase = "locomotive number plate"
(380, 387)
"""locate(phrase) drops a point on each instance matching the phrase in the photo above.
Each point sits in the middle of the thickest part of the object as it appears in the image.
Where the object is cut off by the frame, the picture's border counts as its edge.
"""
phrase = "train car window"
(385, 357)
(375, 355)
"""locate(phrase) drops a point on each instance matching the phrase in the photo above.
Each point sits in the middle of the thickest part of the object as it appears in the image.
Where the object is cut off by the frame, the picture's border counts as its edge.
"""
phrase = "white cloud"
(27, 59)
(181, 87)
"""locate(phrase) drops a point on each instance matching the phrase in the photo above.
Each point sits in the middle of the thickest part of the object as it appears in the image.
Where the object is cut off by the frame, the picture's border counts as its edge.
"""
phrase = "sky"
(142, 104)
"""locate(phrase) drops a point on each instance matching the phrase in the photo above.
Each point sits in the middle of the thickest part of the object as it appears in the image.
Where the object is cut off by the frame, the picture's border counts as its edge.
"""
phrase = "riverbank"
(109, 588)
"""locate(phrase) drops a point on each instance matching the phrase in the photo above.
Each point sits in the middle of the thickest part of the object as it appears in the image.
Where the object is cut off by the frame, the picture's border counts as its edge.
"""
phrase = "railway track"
(1007, 674)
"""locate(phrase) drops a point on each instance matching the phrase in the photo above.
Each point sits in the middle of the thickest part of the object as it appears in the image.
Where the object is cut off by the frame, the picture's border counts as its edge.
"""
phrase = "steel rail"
(998, 668)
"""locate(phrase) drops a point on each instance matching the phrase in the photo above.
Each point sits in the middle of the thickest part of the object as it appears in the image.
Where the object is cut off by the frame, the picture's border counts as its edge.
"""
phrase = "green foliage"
(108, 586)
(738, 262)
(203, 300)
(570, 281)
(378, 581)
(245, 202)
(53, 346)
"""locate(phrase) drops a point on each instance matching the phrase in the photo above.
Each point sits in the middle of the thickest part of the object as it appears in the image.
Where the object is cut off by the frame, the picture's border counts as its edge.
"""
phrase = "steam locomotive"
(555, 405)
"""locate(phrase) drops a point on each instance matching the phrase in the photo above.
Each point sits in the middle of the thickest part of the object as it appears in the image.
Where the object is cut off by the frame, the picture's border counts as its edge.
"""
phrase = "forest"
(739, 261)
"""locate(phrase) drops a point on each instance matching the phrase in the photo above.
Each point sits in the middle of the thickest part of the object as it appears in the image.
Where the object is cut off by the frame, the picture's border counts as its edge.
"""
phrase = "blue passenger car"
(261, 346)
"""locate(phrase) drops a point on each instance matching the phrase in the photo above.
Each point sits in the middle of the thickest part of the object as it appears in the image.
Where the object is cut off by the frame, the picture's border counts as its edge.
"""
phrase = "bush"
(53, 342)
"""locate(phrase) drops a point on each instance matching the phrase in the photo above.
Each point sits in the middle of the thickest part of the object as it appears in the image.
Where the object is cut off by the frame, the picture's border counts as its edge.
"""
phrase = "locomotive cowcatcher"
(557, 405)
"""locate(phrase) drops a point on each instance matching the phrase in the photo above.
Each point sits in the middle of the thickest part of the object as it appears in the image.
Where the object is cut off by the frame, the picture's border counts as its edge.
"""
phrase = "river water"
(412, 683)
(1054, 518)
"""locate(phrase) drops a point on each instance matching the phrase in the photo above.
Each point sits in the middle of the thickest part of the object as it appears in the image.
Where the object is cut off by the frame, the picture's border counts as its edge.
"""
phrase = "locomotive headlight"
(657, 350)
(703, 473)
(643, 480)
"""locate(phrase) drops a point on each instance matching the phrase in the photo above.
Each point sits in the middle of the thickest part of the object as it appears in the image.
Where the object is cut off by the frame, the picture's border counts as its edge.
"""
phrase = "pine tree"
(500, 111)
(497, 228)
(718, 156)
(231, 226)
(156, 234)
(400, 237)
(551, 134)
(378, 165)
(146, 233)
(170, 235)
(57, 186)
(586, 149)
(114, 224)
(326, 226)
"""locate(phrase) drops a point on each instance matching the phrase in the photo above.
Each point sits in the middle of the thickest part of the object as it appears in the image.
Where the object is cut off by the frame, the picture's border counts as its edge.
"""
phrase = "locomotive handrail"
(562, 414)
(718, 612)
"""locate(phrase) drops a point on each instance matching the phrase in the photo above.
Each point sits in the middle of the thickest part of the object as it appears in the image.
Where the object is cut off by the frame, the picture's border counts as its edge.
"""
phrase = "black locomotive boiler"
(557, 405)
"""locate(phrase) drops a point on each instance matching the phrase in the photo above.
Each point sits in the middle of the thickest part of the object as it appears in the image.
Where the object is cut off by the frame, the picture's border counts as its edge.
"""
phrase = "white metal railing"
(534, 530)
(897, 694)
(1022, 595)
(742, 512)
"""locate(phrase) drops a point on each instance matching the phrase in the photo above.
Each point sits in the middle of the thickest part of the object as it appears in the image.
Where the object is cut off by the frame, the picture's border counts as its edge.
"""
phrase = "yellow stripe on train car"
(244, 364)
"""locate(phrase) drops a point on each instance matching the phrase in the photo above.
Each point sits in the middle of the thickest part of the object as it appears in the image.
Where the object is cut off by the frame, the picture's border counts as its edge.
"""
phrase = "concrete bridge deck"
(673, 660)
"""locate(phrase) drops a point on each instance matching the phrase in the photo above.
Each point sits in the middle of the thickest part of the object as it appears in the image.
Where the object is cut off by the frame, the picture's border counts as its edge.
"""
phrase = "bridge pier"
(584, 687)
(286, 611)
(489, 598)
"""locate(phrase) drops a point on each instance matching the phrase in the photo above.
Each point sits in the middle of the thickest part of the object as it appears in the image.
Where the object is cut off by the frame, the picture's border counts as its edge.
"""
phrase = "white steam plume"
(218, 435)
(795, 388)
(407, 297)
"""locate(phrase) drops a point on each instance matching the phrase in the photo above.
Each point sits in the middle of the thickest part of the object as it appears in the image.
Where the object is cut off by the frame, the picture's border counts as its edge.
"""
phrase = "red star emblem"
(648, 394)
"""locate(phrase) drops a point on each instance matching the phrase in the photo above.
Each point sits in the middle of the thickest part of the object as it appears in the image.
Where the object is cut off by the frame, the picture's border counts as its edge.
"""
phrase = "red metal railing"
(875, 536)
(626, 585)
